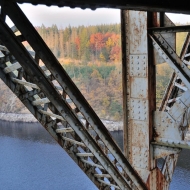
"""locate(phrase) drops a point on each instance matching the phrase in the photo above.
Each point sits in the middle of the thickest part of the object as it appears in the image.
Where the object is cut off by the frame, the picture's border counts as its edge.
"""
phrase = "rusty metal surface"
(172, 134)
(172, 143)
(165, 126)
(137, 99)
(163, 151)
(170, 29)
(169, 166)
(156, 180)
(169, 127)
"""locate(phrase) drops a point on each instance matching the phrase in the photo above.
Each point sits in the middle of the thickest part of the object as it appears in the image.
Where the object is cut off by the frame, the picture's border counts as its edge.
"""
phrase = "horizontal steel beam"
(170, 29)
(146, 5)
(172, 143)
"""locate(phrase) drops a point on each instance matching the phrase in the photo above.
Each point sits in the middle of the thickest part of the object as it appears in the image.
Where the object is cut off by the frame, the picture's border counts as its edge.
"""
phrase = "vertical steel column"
(138, 91)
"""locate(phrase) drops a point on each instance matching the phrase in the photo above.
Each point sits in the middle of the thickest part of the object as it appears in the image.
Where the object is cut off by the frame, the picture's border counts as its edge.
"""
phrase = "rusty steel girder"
(149, 39)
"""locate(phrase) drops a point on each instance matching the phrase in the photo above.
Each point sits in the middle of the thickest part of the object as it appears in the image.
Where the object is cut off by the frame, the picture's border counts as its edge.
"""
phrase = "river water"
(31, 160)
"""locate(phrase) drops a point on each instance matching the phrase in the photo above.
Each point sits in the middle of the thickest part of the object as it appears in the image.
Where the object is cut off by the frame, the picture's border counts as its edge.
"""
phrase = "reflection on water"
(26, 131)
(31, 159)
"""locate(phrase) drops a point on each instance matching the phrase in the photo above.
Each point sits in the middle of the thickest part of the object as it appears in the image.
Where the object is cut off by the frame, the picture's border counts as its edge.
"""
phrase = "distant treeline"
(86, 43)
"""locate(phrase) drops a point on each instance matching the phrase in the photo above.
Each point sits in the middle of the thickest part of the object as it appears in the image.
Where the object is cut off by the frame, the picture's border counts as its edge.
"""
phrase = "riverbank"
(29, 118)
(13, 117)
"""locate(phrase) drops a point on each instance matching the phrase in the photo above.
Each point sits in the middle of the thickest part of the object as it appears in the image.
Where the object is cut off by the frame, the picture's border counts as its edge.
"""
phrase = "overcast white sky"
(39, 15)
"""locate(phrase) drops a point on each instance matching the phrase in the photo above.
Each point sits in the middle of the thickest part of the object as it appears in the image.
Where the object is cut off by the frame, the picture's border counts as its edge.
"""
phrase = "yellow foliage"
(102, 57)
(180, 37)
(163, 69)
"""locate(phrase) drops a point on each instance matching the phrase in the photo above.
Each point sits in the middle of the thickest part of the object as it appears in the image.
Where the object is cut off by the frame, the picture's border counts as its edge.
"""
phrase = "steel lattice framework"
(148, 38)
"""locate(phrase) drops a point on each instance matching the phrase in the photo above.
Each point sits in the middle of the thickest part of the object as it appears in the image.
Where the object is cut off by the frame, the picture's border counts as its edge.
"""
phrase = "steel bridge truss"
(149, 39)
(39, 81)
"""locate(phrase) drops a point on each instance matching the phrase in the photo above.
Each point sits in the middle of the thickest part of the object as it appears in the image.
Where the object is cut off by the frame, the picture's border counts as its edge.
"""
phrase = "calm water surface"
(31, 160)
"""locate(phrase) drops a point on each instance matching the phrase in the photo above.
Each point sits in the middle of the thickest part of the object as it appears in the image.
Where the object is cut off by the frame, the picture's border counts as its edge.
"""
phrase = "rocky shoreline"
(29, 118)
(13, 117)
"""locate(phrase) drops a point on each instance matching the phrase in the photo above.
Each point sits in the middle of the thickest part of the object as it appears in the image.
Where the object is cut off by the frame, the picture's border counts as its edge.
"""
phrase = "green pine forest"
(91, 55)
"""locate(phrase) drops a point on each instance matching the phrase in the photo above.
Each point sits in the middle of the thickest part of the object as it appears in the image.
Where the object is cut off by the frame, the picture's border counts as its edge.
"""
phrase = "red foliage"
(115, 53)
(77, 42)
(97, 41)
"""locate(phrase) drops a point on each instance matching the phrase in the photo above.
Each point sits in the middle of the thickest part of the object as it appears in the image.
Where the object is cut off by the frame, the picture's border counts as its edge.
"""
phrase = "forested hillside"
(91, 43)
(92, 57)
